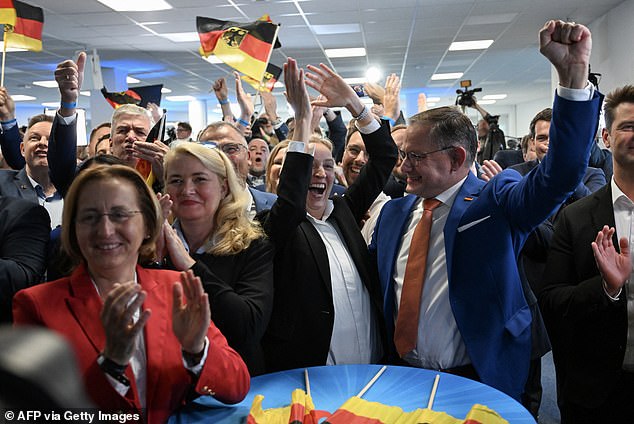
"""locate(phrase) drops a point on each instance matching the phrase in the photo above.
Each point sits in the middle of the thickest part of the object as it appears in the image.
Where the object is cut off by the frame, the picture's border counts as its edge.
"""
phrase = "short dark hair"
(39, 118)
(185, 126)
(449, 127)
(106, 124)
(544, 115)
(614, 98)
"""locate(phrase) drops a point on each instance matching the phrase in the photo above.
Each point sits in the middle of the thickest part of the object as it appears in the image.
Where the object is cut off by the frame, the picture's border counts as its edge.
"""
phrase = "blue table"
(408, 388)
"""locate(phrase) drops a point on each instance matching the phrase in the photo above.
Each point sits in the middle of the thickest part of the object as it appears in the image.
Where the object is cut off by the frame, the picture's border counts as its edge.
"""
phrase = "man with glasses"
(453, 298)
(230, 140)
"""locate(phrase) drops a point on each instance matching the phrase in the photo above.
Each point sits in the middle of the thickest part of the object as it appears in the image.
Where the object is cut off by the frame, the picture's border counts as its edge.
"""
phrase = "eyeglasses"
(415, 158)
(231, 148)
(115, 216)
(355, 151)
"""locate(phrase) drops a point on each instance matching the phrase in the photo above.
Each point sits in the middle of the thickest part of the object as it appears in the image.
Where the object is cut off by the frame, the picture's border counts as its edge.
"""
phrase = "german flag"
(246, 47)
(138, 95)
(7, 12)
(359, 411)
(156, 133)
(300, 411)
(271, 76)
(27, 30)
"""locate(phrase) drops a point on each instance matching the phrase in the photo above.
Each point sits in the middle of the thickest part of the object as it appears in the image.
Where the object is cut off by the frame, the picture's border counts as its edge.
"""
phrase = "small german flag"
(138, 95)
(271, 76)
(27, 27)
(246, 47)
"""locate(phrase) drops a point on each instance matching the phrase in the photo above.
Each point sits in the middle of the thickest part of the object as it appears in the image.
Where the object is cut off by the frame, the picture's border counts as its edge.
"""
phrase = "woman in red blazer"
(144, 340)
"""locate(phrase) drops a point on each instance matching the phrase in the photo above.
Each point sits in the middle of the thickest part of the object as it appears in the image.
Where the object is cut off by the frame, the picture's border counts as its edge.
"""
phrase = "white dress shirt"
(439, 344)
(354, 334)
(623, 214)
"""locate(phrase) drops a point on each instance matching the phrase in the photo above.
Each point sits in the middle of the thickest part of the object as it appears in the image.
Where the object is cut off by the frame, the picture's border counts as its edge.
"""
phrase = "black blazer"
(240, 289)
(24, 233)
(303, 312)
(588, 331)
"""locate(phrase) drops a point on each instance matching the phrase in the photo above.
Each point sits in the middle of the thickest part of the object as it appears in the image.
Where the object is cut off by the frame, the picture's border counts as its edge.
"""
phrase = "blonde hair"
(269, 165)
(233, 230)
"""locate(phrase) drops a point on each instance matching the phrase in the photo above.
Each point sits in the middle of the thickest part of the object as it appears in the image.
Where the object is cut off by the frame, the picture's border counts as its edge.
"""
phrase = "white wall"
(612, 37)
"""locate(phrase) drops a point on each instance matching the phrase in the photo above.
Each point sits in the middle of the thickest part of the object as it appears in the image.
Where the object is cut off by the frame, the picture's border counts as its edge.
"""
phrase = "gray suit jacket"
(16, 184)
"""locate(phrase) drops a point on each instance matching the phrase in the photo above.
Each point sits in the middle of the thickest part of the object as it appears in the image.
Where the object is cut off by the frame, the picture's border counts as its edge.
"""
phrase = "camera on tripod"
(465, 96)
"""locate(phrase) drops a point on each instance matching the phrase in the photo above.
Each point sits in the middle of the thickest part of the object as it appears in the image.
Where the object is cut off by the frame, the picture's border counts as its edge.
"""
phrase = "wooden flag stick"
(7, 29)
(371, 382)
(307, 382)
(433, 392)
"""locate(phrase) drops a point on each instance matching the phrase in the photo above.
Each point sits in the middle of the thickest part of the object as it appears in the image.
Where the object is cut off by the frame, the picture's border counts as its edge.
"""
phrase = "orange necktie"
(406, 332)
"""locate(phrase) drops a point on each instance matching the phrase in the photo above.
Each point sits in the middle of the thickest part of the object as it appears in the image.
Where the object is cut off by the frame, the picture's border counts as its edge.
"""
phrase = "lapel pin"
(468, 199)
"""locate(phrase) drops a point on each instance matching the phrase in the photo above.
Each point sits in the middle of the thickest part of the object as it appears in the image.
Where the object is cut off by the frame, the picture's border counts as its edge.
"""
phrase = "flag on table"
(156, 133)
(28, 22)
(300, 411)
(359, 411)
(138, 96)
(246, 47)
(271, 76)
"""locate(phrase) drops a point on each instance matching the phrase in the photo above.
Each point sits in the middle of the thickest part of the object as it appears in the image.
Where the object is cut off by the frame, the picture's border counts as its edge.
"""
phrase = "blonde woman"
(213, 236)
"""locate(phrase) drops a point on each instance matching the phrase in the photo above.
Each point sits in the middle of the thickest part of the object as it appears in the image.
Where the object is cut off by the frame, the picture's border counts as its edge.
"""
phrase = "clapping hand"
(117, 317)
(615, 267)
(191, 314)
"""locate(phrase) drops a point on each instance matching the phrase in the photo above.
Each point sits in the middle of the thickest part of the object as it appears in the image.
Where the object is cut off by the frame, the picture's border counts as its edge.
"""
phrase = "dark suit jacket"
(588, 331)
(71, 307)
(240, 289)
(303, 312)
(17, 184)
(10, 143)
(24, 230)
(263, 200)
(62, 154)
(593, 179)
(507, 158)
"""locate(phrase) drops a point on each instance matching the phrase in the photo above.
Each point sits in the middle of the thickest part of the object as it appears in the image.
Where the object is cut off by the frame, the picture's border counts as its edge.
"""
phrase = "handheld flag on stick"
(22, 27)
(156, 133)
(138, 96)
(246, 47)
(271, 76)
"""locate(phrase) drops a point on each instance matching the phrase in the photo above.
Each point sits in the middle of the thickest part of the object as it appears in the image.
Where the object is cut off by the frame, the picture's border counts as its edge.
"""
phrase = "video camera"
(465, 98)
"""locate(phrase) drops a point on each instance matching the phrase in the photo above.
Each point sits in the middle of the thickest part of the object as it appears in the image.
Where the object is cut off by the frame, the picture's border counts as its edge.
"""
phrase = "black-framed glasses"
(415, 158)
(231, 148)
(116, 216)
(355, 151)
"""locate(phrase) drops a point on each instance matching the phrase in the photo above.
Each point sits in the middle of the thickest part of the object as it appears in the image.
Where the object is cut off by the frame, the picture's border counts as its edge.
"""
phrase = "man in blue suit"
(474, 319)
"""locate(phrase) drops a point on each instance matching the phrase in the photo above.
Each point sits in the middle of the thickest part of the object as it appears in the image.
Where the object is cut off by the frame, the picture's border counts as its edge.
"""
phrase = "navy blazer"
(17, 184)
(24, 229)
(484, 234)
(263, 200)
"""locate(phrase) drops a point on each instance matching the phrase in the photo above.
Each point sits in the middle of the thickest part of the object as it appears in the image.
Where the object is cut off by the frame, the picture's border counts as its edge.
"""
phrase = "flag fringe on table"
(359, 411)
(271, 76)
(246, 47)
(300, 411)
